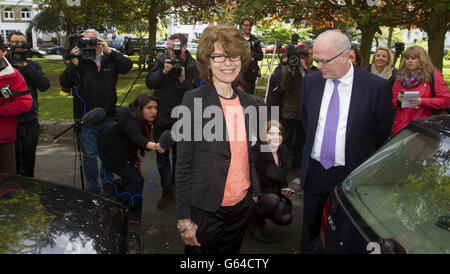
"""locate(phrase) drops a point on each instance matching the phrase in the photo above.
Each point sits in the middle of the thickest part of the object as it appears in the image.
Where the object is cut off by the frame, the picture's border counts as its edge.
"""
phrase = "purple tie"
(327, 152)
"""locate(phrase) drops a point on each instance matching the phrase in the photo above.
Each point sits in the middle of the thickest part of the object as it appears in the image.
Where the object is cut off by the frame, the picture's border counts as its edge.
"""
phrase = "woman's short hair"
(140, 102)
(268, 126)
(425, 65)
(232, 42)
(389, 53)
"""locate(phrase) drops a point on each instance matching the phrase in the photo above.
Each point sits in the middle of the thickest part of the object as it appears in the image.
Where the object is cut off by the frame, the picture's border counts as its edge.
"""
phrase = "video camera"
(294, 53)
(177, 63)
(18, 56)
(82, 43)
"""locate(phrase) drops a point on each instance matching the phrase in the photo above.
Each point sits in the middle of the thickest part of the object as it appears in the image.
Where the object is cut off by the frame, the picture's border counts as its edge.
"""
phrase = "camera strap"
(20, 93)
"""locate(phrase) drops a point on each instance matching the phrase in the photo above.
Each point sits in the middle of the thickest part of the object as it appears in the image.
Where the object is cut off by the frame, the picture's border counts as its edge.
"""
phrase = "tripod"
(76, 131)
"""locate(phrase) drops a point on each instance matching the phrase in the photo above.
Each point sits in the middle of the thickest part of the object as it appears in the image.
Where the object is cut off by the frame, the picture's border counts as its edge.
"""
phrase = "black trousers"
(222, 232)
(7, 158)
(318, 186)
(129, 189)
(166, 169)
(26, 143)
(295, 140)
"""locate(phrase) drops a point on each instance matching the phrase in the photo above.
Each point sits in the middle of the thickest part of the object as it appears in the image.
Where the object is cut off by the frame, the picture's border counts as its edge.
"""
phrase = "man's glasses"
(222, 58)
(324, 62)
(246, 25)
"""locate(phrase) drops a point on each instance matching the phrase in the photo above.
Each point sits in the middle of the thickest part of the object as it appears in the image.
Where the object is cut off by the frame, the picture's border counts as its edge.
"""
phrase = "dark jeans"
(318, 186)
(165, 168)
(7, 158)
(89, 149)
(222, 232)
(129, 189)
(295, 140)
(26, 143)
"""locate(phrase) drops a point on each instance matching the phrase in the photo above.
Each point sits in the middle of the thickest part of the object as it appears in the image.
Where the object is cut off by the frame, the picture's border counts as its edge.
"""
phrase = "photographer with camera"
(28, 124)
(93, 72)
(292, 71)
(15, 99)
(174, 73)
(252, 71)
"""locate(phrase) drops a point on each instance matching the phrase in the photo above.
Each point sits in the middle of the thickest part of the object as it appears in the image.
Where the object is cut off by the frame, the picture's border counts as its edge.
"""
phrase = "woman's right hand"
(400, 97)
(189, 236)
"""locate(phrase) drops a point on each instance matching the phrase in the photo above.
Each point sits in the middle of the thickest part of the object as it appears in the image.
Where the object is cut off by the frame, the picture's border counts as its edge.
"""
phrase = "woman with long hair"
(122, 147)
(382, 64)
(355, 56)
(216, 184)
(416, 74)
(271, 163)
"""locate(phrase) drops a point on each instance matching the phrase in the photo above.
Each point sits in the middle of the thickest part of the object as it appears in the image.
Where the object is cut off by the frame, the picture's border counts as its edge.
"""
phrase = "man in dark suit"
(347, 116)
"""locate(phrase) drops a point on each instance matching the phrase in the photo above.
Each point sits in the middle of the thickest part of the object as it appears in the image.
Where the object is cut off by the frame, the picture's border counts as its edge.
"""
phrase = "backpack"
(433, 94)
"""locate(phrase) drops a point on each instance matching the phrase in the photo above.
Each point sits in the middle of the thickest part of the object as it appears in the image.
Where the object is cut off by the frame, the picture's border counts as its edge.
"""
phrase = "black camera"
(82, 43)
(399, 47)
(177, 63)
(294, 54)
(18, 56)
(6, 92)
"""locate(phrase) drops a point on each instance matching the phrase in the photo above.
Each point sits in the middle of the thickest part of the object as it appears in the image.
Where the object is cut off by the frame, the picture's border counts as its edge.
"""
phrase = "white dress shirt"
(345, 94)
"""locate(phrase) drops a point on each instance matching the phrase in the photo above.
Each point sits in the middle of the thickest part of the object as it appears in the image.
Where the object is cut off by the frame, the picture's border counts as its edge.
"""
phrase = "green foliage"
(282, 32)
(23, 218)
(424, 198)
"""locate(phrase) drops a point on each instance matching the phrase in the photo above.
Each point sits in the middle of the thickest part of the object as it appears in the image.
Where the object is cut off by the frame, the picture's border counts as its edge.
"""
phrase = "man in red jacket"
(14, 100)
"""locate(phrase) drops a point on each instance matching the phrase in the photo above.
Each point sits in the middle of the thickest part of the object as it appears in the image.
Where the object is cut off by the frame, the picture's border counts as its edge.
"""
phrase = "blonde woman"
(382, 65)
(415, 74)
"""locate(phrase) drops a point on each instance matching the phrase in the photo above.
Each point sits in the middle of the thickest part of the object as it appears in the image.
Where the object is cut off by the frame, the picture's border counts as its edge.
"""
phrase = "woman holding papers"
(417, 74)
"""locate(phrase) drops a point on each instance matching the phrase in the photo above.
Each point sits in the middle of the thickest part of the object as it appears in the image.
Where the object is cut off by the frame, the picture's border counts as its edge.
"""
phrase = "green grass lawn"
(53, 106)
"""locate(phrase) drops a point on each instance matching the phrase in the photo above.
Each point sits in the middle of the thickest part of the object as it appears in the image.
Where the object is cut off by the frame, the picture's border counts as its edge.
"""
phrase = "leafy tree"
(433, 16)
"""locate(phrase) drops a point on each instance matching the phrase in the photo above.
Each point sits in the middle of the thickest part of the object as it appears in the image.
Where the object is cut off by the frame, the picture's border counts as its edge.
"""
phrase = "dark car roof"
(440, 123)
(42, 217)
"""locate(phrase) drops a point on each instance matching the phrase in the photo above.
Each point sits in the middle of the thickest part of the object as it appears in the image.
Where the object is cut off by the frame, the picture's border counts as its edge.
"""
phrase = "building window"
(25, 14)
(8, 14)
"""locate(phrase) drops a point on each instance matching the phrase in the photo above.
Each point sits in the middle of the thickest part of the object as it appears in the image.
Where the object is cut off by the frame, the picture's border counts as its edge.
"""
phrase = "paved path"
(56, 162)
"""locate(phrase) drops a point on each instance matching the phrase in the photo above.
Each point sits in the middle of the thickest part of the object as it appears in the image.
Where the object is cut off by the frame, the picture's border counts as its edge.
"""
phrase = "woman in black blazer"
(271, 163)
(216, 184)
(122, 147)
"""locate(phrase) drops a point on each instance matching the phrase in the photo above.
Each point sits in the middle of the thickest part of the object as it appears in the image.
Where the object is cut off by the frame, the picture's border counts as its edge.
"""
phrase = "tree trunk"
(389, 41)
(367, 35)
(152, 25)
(436, 30)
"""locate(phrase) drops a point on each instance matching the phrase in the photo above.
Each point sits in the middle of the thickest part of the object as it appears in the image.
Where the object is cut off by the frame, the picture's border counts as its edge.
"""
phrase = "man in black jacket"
(257, 55)
(171, 81)
(28, 124)
(95, 82)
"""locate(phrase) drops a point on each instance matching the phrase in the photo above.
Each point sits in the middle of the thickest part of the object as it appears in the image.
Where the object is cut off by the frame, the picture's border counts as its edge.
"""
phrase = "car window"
(403, 191)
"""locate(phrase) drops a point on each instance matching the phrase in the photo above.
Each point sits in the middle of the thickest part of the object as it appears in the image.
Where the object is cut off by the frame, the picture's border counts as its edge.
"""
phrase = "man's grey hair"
(339, 40)
(91, 31)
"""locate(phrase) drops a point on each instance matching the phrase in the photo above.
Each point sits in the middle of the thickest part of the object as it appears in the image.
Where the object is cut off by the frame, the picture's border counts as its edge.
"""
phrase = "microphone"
(93, 117)
(166, 140)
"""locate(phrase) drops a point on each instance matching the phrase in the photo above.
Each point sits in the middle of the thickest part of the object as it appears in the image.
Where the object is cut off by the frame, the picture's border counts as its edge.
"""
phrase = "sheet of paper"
(409, 95)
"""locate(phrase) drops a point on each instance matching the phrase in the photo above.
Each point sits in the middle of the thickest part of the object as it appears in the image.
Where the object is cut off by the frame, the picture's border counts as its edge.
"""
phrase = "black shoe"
(258, 232)
(164, 201)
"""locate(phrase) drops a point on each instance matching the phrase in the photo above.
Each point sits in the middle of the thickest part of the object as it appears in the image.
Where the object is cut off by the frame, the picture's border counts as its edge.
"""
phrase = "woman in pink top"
(216, 183)
(415, 74)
